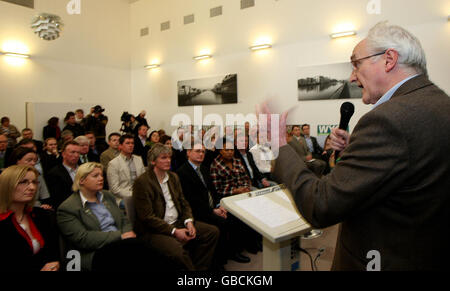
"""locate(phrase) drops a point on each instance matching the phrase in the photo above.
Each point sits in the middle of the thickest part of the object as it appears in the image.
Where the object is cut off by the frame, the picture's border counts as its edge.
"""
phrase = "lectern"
(272, 213)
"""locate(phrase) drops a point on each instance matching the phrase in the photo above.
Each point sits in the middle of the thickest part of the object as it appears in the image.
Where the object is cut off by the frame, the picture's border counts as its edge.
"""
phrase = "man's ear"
(391, 59)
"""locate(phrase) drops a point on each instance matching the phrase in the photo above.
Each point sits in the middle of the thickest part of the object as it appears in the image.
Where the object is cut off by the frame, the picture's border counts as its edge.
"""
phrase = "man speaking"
(390, 187)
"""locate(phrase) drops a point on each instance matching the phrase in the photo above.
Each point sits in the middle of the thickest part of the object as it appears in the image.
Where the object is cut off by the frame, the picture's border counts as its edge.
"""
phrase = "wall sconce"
(154, 66)
(342, 34)
(260, 47)
(202, 57)
(16, 55)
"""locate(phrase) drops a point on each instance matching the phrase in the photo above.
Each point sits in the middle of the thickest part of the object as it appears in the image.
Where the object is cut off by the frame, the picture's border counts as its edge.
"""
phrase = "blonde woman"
(93, 224)
(29, 241)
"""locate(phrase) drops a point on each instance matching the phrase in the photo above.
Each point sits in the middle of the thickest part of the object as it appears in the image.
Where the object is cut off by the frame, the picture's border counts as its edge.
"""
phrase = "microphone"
(347, 110)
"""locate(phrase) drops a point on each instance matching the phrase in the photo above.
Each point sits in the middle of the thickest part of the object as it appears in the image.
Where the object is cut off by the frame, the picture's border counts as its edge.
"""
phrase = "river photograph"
(208, 91)
(326, 82)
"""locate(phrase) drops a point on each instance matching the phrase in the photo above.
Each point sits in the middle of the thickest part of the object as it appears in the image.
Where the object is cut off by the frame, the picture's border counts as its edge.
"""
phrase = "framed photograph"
(326, 82)
(208, 91)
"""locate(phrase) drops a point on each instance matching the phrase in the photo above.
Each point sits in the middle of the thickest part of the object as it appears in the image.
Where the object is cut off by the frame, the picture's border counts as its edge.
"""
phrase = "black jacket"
(196, 193)
(59, 185)
(16, 252)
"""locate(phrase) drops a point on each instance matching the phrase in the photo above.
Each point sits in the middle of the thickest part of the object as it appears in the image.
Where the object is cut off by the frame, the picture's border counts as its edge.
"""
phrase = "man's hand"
(127, 235)
(192, 232)
(220, 211)
(182, 235)
(265, 183)
(339, 139)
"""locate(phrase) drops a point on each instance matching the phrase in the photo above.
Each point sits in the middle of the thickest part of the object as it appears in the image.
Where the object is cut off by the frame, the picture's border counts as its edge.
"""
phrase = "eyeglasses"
(355, 63)
(28, 182)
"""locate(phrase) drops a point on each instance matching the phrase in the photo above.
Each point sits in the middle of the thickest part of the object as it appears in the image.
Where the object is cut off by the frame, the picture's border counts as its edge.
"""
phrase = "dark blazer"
(81, 228)
(317, 150)
(16, 253)
(59, 185)
(257, 176)
(151, 205)
(49, 162)
(140, 149)
(196, 193)
(391, 188)
(76, 129)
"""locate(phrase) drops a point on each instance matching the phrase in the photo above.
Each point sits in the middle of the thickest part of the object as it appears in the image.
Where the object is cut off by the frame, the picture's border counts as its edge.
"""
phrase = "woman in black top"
(29, 241)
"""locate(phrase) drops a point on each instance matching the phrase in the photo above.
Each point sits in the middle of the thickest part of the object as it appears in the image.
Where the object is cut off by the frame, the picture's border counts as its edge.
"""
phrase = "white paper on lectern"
(268, 212)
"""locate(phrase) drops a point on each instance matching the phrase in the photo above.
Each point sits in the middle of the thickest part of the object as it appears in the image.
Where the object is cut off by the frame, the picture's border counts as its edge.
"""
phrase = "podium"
(272, 213)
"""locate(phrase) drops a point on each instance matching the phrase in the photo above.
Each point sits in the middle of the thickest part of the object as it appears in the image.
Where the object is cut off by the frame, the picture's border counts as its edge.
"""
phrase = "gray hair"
(383, 36)
(157, 150)
(82, 140)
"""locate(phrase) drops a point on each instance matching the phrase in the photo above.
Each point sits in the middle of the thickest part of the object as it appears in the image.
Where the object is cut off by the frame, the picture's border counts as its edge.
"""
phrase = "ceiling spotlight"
(343, 34)
(154, 66)
(260, 47)
(47, 26)
(16, 55)
(202, 57)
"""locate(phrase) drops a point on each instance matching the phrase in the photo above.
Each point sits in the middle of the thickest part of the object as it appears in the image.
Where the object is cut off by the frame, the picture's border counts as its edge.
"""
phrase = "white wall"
(271, 74)
(89, 63)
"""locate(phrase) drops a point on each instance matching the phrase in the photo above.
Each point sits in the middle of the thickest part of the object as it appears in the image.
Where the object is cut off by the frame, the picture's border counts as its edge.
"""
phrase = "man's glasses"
(355, 63)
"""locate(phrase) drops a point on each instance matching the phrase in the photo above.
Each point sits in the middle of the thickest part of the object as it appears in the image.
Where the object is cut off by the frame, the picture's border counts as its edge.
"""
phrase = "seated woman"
(153, 138)
(29, 241)
(92, 223)
(28, 157)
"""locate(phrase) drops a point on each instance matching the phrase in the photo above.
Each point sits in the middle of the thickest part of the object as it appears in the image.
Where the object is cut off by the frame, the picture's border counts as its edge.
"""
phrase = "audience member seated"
(179, 149)
(66, 136)
(29, 238)
(5, 152)
(24, 156)
(92, 223)
(242, 152)
(52, 129)
(167, 141)
(164, 218)
(204, 201)
(50, 156)
(112, 152)
(298, 143)
(154, 138)
(141, 145)
(124, 169)
(29, 143)
(94, 147)
(86, 155)
(263, 156)
(72, 125)
(228, 173)
(27, 133)
(328, 156)
(229, 177)
(10, 131)
(60, 178)
(311, 142)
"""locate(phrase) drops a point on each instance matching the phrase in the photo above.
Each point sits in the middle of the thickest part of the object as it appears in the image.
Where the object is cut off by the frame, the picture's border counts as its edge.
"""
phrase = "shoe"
(240, 258)
(252, 249)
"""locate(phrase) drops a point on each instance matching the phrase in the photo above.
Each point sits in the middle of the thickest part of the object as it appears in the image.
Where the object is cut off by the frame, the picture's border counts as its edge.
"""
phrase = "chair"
(130, 209)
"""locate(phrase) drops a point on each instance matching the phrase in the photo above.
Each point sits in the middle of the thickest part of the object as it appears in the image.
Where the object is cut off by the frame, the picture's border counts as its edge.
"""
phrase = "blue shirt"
(388, 95)
(102, 213)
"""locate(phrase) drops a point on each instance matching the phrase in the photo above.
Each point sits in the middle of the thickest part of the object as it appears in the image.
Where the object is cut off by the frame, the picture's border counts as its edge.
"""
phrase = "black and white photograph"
(208, 91)
(326, 82)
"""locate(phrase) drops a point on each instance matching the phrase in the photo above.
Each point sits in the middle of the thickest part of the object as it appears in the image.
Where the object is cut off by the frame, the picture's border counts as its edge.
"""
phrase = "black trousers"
(131, 255)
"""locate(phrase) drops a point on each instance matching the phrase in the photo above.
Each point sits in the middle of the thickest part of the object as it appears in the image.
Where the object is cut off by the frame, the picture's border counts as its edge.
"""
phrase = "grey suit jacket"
(391, 188)
(81, 228)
